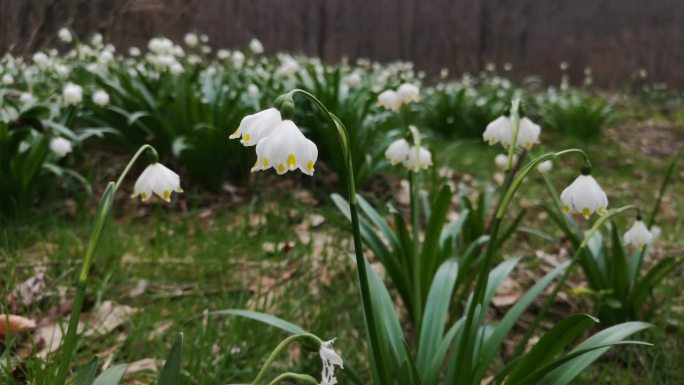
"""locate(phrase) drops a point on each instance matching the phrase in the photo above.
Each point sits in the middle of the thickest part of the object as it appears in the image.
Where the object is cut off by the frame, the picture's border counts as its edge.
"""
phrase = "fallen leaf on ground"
(17, 324)
(108, 317)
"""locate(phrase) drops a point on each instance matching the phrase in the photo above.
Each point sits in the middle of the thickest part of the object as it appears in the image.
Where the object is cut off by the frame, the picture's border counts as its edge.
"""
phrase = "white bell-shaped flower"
(494, 133)
(330, 359)
(584, 196)
(528, 133)
(238, 59)
(60, 146)
(398, 151)
(257, 126)
(545, 166)
(65, 35)
(389, 100)
(157, 179)
(7, 79)
(638, 235)
(408, 93)
(286, 149)
(253, 91)
(501, 161)
(101, 98)
(418, 158)
(191, 39)
(256, 47)
(72, 93)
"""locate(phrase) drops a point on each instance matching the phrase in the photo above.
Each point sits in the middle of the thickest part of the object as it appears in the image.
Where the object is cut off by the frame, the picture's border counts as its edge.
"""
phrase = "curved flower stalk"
(270, 147)
(104, 208)
(329, 359)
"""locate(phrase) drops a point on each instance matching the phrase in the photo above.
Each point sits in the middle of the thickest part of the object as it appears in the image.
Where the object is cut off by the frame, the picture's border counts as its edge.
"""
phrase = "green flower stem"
(155, 158)
(104, 208)
(414, 187)
(416, 266)
(282, 345)
(519, 349)
(515, 117)
(356, 232)
(467, 343)
(294, 377)
(666, 182)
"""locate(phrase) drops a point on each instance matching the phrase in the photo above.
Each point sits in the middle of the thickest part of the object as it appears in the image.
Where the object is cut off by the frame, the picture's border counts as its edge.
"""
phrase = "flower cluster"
(279, 143)
(414, 158)
(393, 100)
(501, 131)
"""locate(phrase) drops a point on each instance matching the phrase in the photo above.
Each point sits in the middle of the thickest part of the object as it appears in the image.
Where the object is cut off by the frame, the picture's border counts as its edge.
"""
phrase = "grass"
(227, 254)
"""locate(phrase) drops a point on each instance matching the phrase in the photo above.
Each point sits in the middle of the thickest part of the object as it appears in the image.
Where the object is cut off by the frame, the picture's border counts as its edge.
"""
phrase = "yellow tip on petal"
(245, 138)
(264, 164)
(166, 195)
(310, 165)
(234, 134)
(291, 162)
(566, 209)
(586, 212)
(281, 168)
(143, 196)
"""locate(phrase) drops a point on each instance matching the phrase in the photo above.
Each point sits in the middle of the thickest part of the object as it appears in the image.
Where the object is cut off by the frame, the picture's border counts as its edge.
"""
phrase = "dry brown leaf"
(28, 292)
(108, 317)
(146, 364)
(17, 324)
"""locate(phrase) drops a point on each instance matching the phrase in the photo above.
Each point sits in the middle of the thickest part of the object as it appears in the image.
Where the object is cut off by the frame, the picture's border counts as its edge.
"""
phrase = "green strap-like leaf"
(112, 376)
(435, 315)
(550, 344)
(87, 375)
(170, 373)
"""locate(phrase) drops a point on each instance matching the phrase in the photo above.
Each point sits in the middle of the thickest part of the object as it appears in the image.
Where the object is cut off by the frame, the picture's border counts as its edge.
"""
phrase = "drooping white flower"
(72, 93)
(96, 40)
(238, 59)
(7, 79)
(418, 158)
(160, 45)
(62, 70)
(194, 59)
(257, 126)
(223, 54)
(176, 68)
(134, 51)
(330, 359)
(638, 235)
(65, 35)
(157, 179)
(501, 161)
(105, 57)
(408, 93)
(389, 100)
(494, 132)
(191, 40)
(26, 97)
(286, 149)
(528, 133)
(253, 91)
(545, 166)
(501, 131)
(288, 67)
(256, 47)
(584, 196)
(60, 146)
(398, 151)
(354, 79)
(41, 59)
(101, 98)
